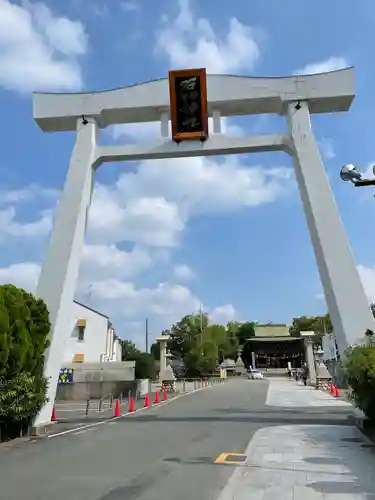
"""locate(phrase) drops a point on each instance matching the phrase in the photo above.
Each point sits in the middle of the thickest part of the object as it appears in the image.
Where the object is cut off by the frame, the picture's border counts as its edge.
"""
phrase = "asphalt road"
(164, 452)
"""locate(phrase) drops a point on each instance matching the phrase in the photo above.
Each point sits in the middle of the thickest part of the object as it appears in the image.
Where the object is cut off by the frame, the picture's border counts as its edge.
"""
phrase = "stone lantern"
(166, 372)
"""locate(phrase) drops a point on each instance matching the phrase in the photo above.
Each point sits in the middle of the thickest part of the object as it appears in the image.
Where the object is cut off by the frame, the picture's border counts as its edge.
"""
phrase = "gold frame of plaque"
(188, 104)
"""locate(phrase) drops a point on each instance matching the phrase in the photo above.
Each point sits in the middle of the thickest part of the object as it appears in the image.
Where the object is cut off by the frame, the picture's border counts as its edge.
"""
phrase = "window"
(81, 325)
(81, 333)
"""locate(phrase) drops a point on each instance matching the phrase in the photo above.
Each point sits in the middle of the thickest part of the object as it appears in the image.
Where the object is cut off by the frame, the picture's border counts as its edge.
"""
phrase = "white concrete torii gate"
(295, 97)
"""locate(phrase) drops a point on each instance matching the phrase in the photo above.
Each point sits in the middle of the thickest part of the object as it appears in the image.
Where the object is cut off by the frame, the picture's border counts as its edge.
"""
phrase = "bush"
(21, 398)
(359, 366)
(144, 366)
(24, 336)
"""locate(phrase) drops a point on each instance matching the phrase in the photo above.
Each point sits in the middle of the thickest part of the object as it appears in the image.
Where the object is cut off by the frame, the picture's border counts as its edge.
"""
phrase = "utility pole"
(146, 334)
(89, 291)
(201, 324)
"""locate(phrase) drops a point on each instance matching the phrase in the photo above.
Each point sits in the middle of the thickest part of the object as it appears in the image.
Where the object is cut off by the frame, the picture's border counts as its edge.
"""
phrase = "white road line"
(96, 424)
(84, 431)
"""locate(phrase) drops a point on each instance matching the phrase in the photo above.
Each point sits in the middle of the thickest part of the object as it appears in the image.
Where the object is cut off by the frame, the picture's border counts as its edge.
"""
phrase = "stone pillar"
(253, 360)
(163, 356)
(58, 277)
(310, 360)
(165, 372)
(344, 293)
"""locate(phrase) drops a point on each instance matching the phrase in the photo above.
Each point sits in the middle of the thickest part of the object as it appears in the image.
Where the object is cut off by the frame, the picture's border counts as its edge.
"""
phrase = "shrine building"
(273, 347)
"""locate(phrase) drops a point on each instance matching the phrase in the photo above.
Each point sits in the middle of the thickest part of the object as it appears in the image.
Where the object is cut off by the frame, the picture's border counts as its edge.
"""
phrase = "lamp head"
(350, 173)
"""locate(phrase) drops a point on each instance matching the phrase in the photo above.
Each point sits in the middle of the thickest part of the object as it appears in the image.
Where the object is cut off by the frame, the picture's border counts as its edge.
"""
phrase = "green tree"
(144, 366)
(245, 331)
(226, 342)
(128, 350)
(24, 336)
(233, 327)
(202, 358)
(318, 324)
(5, 337)
(185, 333)
(359, 366)
(155, 351)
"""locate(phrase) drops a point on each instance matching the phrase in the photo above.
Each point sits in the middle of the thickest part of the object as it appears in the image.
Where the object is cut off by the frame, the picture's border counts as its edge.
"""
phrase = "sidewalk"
(289, 393)
(305, 462)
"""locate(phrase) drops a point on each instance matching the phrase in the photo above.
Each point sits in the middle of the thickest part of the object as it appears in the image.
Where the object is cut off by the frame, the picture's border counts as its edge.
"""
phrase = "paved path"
(305, 462)
(72, 413)
(165, 452)
(169, 452)
(283, 393)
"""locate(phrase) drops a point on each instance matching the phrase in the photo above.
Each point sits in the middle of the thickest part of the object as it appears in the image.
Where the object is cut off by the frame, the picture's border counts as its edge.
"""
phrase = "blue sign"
(66, 376)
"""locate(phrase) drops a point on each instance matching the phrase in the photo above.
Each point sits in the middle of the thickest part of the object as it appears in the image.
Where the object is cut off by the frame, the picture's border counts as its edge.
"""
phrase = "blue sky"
(166, 236)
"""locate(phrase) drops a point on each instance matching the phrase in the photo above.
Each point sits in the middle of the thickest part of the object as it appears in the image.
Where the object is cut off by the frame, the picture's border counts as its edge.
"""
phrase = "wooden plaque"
(188, 101)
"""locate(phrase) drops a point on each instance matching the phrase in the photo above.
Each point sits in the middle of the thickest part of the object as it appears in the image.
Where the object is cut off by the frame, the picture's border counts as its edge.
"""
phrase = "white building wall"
(97, 341)
(118, 351)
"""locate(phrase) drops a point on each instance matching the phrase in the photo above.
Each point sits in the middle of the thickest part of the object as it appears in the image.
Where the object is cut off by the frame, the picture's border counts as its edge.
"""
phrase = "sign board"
(188, 104)
(66, 376)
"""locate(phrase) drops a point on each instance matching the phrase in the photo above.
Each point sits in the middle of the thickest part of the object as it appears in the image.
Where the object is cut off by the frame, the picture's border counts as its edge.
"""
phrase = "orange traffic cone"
(165, 395)
(53, 416)
(156, 400)
(117, 409)
(147, 401)
(337, 392)
(131, 404)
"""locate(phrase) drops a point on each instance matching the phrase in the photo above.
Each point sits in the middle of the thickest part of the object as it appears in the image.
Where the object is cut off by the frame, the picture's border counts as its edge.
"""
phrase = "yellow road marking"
(225, 458)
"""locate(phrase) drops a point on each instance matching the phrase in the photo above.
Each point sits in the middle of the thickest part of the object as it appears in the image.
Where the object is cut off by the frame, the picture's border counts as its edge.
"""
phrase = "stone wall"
(98, 380)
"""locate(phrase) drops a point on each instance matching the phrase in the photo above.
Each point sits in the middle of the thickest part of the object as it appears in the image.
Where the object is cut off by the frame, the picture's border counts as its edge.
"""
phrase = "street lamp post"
(350, 173)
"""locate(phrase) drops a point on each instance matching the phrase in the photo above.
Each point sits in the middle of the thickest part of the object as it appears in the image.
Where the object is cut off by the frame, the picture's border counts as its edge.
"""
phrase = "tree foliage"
(359, 365)
(202, 346)
(318, 324)
(24, 337)
(144, 362)
(155, 351)
(246, 331)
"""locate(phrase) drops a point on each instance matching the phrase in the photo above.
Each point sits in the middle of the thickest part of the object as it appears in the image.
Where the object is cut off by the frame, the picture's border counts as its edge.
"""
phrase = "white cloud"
(201, 185)
(26, 194)
(39, 50)
(129, 6)
(152, 206)
(183, 272)
(148, 220)
(122, 300)
(330, 64)
(24, 275)
(170, 301)
(105, 261)
(327, 148)
(222, 314)
(10, 227)
(367, 275)
(189, 42)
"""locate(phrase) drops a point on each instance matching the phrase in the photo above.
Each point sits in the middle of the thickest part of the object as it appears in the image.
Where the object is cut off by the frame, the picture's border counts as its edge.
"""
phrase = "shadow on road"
(267, 417)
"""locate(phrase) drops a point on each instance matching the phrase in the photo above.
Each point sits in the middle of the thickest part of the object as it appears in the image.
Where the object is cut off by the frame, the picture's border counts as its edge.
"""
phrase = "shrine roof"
(273, 339)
